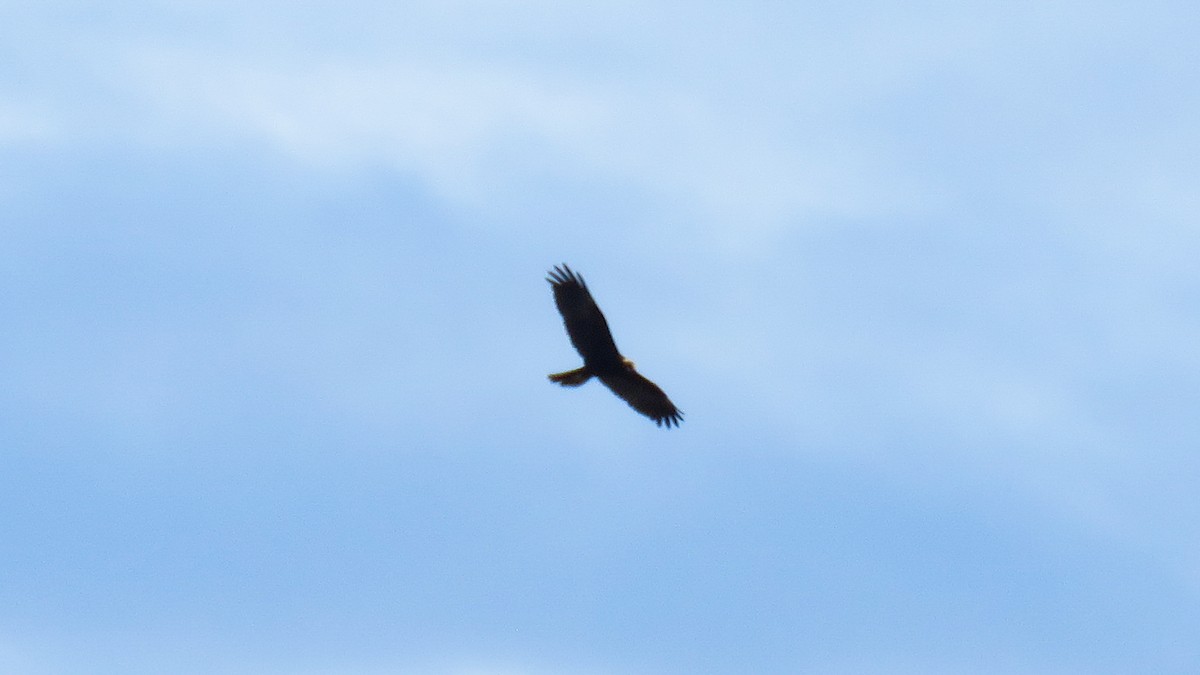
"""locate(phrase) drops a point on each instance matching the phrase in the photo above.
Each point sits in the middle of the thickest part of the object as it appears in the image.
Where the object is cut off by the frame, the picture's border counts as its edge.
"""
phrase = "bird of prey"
(590, 335)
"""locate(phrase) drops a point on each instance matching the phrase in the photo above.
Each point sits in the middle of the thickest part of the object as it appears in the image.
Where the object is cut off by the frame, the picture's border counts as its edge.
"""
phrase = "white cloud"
(478, 134)
(441, 122)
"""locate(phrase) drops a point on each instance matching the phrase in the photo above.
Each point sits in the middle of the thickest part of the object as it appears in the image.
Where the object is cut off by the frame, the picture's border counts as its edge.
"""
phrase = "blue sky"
(922, 275)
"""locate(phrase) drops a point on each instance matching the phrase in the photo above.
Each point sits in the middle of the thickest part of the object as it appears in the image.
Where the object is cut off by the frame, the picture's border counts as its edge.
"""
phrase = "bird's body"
(589, 333)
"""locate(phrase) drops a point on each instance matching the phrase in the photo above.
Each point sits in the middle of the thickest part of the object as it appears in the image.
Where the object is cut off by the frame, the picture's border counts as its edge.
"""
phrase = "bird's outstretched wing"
(582, 317)
(643, 396)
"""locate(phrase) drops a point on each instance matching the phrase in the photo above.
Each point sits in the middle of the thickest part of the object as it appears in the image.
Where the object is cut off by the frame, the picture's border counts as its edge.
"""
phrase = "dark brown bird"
(589, 333)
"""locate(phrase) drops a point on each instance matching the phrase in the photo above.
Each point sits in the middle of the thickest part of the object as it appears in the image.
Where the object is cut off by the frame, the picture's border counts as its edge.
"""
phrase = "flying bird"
(590, 335)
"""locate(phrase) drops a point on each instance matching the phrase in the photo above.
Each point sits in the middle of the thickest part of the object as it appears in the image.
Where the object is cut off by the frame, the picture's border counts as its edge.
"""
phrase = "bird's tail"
(572, 378)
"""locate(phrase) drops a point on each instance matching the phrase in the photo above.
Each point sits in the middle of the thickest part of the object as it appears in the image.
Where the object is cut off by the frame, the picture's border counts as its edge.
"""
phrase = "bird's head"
(629, 365)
